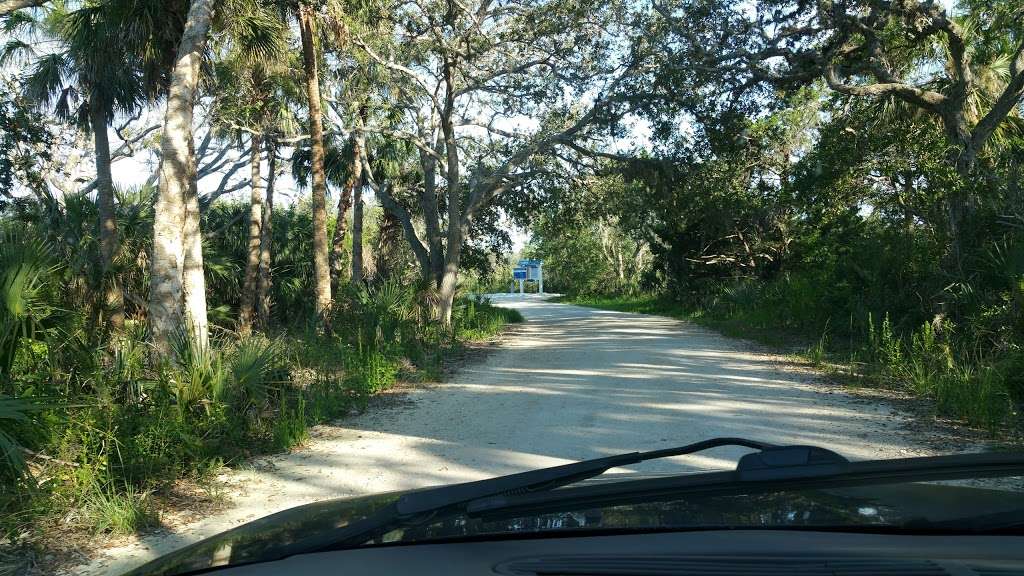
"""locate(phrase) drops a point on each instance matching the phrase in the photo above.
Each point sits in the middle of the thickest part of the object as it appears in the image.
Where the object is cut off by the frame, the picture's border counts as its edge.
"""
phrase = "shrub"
(369, 370)
(290, 427)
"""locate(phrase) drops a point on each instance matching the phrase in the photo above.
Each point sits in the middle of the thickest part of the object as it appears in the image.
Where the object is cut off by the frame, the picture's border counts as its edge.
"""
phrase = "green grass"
(637, 304)
(240, 398)
(119, 510)
(480, 320)
(737, 327)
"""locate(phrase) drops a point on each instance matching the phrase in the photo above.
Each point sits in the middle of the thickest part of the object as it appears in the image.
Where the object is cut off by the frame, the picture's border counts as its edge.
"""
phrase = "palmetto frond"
(83, 73)
(257, 369)
(337, 162)
(13, 412)
(256, 32)
(15, 22)
(26, 270)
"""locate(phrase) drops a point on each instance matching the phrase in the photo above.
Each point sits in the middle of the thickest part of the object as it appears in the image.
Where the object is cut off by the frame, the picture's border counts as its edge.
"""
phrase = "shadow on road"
(573, 383)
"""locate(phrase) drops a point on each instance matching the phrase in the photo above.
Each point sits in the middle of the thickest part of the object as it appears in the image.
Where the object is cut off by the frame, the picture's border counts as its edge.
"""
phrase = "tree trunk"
(956, 207)
(177, 171)
(338, 241)
(387, 240)
(428, 203)
(449, 282)
(905, 198)
(252, 262)
(114, 299)
(321, 268)
(344, 201)
(357, 232)
(193, 275)
(450, 276)
(1016, 198)
(265, 279)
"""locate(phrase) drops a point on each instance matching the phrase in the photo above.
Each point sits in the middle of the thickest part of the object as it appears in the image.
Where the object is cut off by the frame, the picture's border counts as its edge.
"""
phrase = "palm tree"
(264, 278)
(345, 196)
(82, 86)
(343, 173)
(252, 82)
(321, 267)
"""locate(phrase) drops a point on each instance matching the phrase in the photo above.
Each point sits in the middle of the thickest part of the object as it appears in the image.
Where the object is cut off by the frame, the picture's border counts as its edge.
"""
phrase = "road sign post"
(529, 270)
(520, 275)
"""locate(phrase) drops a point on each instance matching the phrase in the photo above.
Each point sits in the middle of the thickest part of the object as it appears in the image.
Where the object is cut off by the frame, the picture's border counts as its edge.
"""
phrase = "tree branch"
(126, 149)
(8, 6)
(392, 65)
(926, 99)
(389, 203)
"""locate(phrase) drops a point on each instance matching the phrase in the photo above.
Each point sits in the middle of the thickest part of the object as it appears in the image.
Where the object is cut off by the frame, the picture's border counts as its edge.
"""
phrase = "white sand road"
(570, 383)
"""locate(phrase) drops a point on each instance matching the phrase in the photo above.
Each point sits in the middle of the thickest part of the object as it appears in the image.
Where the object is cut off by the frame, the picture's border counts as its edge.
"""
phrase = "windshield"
(262, 254)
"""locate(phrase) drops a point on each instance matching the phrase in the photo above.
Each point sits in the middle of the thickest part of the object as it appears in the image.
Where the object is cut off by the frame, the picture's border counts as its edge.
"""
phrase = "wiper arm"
(548, 478)
(773, 469)
(418, 507)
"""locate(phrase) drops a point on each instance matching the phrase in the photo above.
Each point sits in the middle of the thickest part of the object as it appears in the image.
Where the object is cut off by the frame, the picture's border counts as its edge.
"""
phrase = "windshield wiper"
(771, 468)
(418, 507)
(788, 468)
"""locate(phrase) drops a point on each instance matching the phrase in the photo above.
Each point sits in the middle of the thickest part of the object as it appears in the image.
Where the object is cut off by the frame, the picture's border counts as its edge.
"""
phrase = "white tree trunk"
(167, 313)
(449, 282)
(450, 276)
(193, 277)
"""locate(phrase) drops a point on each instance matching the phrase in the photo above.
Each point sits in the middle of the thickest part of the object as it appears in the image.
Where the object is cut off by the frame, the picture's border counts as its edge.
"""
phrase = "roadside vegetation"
(93, 426)
(825, 204)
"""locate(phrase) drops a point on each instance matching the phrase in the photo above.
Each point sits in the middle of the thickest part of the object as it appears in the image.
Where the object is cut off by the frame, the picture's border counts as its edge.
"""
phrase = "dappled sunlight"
(489, 389)
(573, 383)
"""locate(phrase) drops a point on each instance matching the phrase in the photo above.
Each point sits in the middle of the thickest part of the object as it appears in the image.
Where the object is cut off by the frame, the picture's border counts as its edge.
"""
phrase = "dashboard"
(706, 553)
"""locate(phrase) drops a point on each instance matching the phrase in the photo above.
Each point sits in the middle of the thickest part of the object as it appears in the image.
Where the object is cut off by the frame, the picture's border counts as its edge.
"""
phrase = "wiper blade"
(418, 507)
(548, 478)
(787, 468)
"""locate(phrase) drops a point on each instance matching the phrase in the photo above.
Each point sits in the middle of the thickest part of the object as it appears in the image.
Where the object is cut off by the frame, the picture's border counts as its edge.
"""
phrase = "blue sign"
(519, 273)
(530, 263)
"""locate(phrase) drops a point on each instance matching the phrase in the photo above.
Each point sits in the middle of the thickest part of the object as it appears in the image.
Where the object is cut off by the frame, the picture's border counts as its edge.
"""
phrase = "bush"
(369, 370)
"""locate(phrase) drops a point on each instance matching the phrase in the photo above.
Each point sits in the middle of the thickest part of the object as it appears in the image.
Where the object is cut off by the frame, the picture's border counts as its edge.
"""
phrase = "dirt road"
(570, 383)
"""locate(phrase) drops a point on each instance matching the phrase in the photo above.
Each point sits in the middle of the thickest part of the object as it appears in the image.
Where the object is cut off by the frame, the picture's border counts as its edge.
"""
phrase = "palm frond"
(49, 78)
(25, 272)
(14, 412)
(15, 53)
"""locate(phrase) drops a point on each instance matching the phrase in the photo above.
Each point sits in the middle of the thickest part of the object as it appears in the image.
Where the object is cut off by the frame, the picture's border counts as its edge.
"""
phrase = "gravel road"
(570, 383)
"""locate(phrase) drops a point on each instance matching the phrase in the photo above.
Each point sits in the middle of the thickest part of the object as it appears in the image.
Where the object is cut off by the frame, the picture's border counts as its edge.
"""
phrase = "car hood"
(900, 505)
